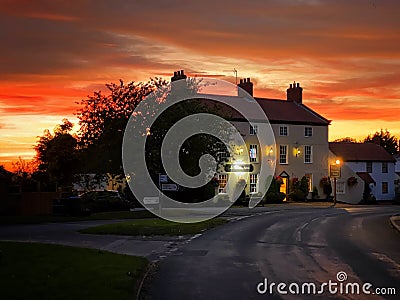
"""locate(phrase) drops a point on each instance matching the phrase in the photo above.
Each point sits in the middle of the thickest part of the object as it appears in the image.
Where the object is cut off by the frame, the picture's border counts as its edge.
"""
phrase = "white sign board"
(163, 178)
(169, 187)
(151, 200)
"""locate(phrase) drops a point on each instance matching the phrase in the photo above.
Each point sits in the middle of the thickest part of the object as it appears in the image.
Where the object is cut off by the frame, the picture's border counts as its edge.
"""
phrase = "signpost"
(335, 172)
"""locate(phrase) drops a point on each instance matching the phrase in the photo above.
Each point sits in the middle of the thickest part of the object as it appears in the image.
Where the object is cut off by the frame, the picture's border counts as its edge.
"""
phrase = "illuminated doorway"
(284, 188)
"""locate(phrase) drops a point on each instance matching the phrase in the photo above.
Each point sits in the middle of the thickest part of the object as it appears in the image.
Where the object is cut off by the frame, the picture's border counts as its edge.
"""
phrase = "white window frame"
(253, 129)
(253, 146)
(306, 133)
(281, 129)
(281, 154)
(222, 187)
(308, 157)
(254, 183)
(341, 187)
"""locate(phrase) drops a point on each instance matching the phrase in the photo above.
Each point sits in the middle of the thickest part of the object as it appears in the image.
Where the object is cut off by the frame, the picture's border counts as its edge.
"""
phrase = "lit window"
(223, 180)
(384, 167)
(253, 183)
(308, 131)
(385, 188)
(253, 153)
(369, 167)
(283, 131)
(283, 154)
(253, 129)
(308, 154)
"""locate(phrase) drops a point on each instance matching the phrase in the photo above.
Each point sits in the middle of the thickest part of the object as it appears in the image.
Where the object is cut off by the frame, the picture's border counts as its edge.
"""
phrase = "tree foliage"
(56, 154)
(345, 140)
(389, 142)
(102, 120)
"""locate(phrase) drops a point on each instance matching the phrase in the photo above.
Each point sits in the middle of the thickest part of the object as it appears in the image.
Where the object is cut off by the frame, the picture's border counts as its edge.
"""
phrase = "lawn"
(139, 214)
(40, 271)
(153, 227)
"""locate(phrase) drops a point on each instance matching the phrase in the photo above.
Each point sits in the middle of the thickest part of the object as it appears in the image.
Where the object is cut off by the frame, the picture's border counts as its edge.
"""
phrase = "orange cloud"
(344, 54)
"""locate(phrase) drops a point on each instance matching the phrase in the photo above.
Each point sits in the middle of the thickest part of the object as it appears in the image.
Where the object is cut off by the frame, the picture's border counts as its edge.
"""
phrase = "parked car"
(99, 201)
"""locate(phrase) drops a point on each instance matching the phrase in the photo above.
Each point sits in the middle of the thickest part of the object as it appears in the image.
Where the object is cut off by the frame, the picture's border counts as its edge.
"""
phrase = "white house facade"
(365, 166)
(301, 137)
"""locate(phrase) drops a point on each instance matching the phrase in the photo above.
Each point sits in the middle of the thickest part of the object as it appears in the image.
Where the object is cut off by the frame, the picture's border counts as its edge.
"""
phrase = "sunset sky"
(345, 54)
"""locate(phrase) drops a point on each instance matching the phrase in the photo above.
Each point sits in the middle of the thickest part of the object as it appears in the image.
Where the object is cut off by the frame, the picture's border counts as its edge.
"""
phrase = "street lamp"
(335, 173)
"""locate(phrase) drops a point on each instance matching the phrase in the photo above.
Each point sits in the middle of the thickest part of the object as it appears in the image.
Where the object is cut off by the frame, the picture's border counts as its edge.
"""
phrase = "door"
(283, 187)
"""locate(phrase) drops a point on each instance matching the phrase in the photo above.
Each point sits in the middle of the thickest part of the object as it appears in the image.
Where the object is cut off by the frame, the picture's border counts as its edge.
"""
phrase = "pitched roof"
(366, 177)
(277, 111)
(360, 152)
(283, 111)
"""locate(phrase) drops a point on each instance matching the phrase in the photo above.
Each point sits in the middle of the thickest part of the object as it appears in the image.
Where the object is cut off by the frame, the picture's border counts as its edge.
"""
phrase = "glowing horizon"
(55, 54)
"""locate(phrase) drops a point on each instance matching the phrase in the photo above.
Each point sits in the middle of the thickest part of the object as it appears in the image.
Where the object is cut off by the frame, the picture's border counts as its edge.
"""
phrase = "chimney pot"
(182, 72)
(294, 93)
(246, 85)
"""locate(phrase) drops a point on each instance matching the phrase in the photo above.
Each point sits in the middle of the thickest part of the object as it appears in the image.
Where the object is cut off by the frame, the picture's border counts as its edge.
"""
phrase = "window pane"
(307, 154)
(253, 183)
(283, 154)
(384, 167)
(253, 129)
(223, 180)
(308, 131)
(253, 153)
(283, 131)
(369, 167)
(385, 188)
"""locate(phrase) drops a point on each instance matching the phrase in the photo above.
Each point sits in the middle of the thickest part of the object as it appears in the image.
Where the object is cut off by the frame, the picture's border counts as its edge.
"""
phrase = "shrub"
(299, 189)
(297, 195)
(314, 194)
(326, 186)
(274, 195)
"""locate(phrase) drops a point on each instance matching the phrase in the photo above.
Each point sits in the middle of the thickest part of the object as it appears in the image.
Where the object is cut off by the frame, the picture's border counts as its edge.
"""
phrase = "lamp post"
(335, 173)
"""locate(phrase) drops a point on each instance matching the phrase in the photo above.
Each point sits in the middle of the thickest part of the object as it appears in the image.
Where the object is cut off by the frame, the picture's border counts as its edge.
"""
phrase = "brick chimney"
(295, 93)
(178, 75)
(247, 85)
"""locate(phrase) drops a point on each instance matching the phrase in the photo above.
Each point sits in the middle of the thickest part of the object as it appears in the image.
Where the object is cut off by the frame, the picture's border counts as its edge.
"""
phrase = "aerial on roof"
(360, 152)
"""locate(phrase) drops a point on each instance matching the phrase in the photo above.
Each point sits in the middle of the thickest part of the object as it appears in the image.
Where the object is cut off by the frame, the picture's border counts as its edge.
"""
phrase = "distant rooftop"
(360, 152)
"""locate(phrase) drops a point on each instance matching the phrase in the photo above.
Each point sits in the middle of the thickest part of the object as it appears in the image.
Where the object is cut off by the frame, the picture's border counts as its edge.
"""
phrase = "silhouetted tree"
(346, 140)
(385, 139)
(102, 120)
(56, 154)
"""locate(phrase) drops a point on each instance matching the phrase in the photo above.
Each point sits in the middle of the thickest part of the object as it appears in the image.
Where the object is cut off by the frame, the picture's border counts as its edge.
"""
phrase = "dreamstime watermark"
(139, 129)
(332, 287)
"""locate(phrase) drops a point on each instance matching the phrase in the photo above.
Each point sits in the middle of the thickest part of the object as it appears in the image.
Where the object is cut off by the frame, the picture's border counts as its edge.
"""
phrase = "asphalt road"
(309, 245)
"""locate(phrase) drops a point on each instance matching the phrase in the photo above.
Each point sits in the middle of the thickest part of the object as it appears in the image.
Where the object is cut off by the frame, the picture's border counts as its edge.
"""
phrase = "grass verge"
(41, 271)
(140, 214)
(153, 227)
